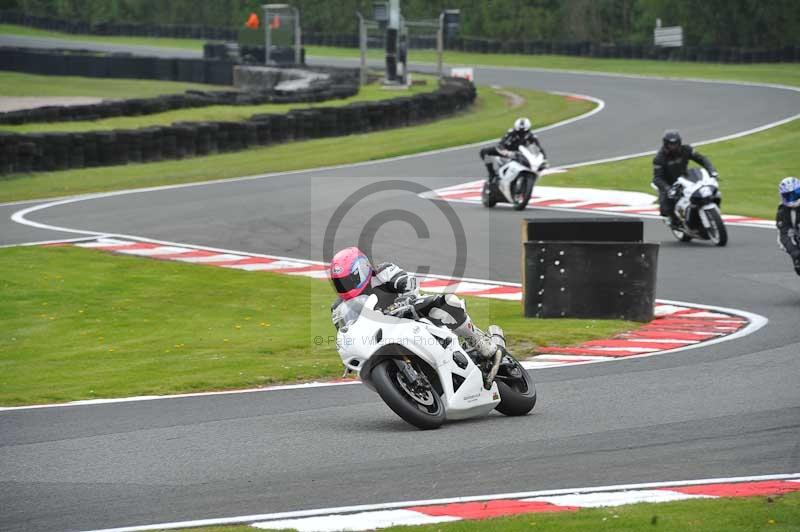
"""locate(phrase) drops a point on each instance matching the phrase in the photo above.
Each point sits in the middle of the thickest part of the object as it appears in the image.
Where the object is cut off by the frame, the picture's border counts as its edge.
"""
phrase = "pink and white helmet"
(350, 272)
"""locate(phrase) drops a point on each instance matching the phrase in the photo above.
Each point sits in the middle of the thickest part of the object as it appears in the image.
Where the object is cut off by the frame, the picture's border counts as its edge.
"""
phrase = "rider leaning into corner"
(788, 219)
(352, 275)
(669, 164)
(519, 135)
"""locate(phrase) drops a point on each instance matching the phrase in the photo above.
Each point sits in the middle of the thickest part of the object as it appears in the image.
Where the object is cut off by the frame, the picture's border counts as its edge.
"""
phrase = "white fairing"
(511, 169)
(366, 335)
(707, 187)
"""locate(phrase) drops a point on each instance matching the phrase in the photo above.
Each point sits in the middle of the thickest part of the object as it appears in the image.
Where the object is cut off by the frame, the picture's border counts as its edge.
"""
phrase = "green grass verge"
(489, 117)
(371, 92)
(782, 73)
(779, 514)
(160, 42)
(82, 324)
(16, 84)
(750, 170)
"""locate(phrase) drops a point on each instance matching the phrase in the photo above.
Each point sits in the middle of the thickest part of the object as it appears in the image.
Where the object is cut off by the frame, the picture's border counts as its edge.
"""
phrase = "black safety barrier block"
(590, 280)
(605, 229)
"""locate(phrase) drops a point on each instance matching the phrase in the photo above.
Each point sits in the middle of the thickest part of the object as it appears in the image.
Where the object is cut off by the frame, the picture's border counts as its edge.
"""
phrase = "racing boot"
(489, 351)
(497, 335)
(483, 345)
(672, 221)
(492, 174)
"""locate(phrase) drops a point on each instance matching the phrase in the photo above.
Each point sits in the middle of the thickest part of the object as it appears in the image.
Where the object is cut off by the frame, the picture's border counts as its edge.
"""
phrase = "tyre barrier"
(588, 268)
(341, 83)
(46, 152)
(56, 62)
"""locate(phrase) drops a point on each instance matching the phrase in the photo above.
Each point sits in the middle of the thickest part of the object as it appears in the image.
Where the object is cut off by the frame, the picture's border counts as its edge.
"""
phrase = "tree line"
(736, 23)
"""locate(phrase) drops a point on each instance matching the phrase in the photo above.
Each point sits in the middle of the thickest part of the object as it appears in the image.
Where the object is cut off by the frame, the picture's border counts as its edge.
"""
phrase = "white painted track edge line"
(452, 500)
(58, 241)
(142, 398)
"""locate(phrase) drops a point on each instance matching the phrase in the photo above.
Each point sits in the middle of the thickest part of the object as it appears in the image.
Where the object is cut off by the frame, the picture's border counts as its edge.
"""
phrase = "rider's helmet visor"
(791, 197)
(347, 283)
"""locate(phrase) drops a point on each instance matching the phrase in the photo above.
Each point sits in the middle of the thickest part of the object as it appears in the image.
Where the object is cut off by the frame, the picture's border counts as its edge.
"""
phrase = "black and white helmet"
(522, 125)
(672, 141)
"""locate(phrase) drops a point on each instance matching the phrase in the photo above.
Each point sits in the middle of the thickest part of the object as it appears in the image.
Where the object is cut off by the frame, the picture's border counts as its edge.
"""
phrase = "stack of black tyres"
(24, 153)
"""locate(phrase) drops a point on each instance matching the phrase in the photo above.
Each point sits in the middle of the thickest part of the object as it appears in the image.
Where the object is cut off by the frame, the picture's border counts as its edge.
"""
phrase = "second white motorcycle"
(517, 173)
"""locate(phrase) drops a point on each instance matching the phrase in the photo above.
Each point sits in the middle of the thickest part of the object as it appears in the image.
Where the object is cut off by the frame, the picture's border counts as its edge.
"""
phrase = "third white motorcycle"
(517, 173)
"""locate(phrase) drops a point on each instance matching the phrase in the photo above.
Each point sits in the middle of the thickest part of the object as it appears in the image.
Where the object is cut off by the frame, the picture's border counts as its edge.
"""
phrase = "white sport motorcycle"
(516, 175)
(697, 208)
(422, 372)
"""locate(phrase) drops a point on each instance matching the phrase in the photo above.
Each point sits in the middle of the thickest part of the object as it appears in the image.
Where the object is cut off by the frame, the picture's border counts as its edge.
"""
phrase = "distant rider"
(669, 164)
(788, 219)
(519, 135)
(352, 275)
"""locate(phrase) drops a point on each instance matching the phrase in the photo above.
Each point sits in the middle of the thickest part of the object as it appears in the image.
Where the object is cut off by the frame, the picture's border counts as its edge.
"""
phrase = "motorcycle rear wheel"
(516, 387)
(423, 410)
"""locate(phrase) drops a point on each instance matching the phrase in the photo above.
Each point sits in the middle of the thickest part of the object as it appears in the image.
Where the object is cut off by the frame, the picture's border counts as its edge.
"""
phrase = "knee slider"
(454, 301)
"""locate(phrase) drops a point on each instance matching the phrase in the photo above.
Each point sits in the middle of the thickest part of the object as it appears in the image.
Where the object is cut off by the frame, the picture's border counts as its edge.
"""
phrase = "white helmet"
(522, 124)
(789, 189)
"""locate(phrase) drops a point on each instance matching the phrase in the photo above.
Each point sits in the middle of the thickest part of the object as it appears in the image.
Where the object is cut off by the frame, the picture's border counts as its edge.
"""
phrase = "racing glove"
(403, 307)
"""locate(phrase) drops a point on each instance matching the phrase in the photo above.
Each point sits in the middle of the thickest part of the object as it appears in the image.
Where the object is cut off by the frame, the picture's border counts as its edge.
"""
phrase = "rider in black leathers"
(669, 164)
(519, 135)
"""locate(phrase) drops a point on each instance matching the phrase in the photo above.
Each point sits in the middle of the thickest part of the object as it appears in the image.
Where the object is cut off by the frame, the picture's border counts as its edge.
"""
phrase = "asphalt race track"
(730, 409)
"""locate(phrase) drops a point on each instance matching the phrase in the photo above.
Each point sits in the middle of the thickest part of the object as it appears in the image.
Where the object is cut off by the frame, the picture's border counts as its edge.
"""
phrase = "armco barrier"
(588, 268)
(57, 151)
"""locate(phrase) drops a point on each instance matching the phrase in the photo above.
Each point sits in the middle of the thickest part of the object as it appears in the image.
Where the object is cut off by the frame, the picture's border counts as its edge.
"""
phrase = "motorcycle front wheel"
(422, 408)
(516, 387)
(487, 195)
(680, 235)
(521, 192)
(717, 232)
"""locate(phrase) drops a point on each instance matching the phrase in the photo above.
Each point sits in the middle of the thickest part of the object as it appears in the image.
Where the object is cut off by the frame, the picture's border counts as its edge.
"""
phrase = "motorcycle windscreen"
(348, 311)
